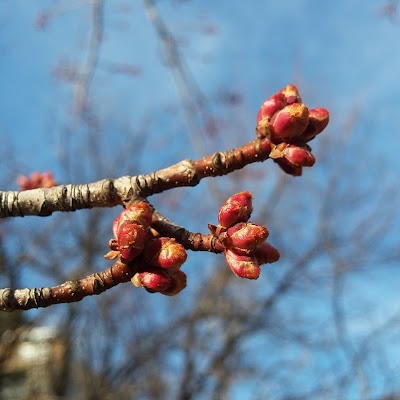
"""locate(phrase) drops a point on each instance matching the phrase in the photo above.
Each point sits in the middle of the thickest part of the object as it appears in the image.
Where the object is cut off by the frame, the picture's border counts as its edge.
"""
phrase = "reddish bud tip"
(178, 283)
(246, 237)
(291, 94)
(289, 122)
(154, 279)
(267, 110)
(299, 156)
(237, 208)
(266, 254)
(242, 266)
(141, 213)
(165, 252)
(317, 121)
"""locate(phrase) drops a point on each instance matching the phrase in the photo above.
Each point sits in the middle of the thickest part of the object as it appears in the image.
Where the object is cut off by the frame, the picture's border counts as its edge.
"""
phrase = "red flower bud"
(178, 283)
(266, 254)
(131, 239)
(165, 252)
(318, 119)
(288, 167)
(244, 237)
(139, 213)
(299, 156)
(153, 279)
(289, 122)
(237, 208)
(291, 94)
(242, 266)
(267, 110)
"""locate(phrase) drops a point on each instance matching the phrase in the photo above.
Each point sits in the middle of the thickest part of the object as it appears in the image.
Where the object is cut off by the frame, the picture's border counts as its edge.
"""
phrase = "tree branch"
(68, 292)
(111, 192)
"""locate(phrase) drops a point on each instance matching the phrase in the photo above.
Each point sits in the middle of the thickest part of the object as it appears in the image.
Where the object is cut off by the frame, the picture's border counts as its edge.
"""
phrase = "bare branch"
(111, 192)
(68, 292)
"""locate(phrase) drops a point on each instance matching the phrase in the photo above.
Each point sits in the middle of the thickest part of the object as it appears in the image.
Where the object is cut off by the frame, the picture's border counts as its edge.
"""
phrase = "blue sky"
(342, 54)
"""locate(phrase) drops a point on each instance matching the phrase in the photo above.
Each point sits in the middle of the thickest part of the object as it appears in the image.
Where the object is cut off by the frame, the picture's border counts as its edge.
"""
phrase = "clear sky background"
(343, 55)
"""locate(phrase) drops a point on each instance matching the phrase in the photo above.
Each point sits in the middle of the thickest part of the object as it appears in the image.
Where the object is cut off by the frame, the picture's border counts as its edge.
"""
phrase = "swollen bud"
(165, 252)
(243, 266)
(266, 254)
(245, 237)
(267, 110)
(299, 156)
(237, 208)
(130, 240)
(289, 122)
(178, 282)
(288, 167)
(318, 119)
(153, 279)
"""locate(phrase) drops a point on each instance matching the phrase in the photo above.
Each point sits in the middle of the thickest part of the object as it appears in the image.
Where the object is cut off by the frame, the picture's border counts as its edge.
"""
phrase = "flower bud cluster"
(159, 259)
(244, 243)
(290, 125)
(36, 180)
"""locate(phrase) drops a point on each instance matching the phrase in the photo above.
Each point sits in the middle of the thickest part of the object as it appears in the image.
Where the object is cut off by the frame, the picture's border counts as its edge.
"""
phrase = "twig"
(68, 292)
(111, 192)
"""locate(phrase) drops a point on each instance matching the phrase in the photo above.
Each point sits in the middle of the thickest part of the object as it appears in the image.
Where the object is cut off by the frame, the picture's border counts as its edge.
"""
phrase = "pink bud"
(244, 237)
(291, 94)
(237, 208)
(154, 279)
(242, 266)
(267, 110)
(299, 156)
(266, 254)
(317, 122)
(179, 281)
(131, 239)
(289, 122)
(165, 252)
